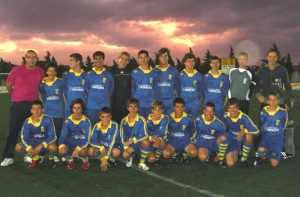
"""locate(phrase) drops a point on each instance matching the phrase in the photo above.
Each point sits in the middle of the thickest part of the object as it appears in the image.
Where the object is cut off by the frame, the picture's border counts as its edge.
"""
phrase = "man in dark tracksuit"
(273, 77)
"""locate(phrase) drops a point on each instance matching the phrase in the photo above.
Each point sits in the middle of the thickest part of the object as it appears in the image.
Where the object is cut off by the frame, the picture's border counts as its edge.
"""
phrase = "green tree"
(231, 54)
(289, 65)
(88, 64)
(47, 56)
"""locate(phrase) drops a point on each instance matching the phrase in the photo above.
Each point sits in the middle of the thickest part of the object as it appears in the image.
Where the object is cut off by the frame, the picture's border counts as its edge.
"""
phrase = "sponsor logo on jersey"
(188, 89)
(164, 84)
(145, 86)
(79, 137)
(272, 129)
(38, 135)
(97, 86)
(214, 90)
(52, 98)
(76, 89)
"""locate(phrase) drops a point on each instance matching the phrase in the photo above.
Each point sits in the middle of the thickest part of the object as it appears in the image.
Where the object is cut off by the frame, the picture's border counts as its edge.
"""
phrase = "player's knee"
(274, 163)
(230, 163)
(83, 152)
(52, 148)
(125, 154)
(202, 156)
(248, 138)
(222, 138)
(116, 152)
(162, 144)
(193, 152)
(19, 148)
(63, 150)
(145, 143)
(151, 159)
(91, 151)
(167, 154)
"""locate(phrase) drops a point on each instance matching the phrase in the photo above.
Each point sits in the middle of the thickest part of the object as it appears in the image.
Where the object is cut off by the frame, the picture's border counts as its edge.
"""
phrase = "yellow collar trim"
(190, 74)
(162, 69)
(156, 122)
(216, 76)
(37, 123)
(104, 130)
(131, 124)
(99, 72)
(83, 118)
(208, 122)
(50, 83)
(239, 117)
(178, 119)
(271, 113)
(75, 73)
(146, 71)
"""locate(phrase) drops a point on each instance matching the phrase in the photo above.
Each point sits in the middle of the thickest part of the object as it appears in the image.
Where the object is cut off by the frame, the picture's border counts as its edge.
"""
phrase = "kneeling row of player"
(158, 135)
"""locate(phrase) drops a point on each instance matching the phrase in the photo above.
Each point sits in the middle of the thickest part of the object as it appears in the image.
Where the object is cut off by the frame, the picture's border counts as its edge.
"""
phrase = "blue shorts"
(93, 116)
(33, 145)
(209, 144)
(273, 145)
(233, 144)
(136, 147)
(178, 145)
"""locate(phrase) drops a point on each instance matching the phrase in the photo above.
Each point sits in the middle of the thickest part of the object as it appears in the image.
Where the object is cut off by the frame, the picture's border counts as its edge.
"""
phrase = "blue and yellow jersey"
(102, 138)
(165, 85)
(235, 125)
(216, 88)
(273, 123)
(73, 86)
(183, 128)
(75, 132)
(209, 129)
(137, 130)
(143, 86)
(52, 96)
(99, 85)
(158, 128)
(190, 86)
(42, 132)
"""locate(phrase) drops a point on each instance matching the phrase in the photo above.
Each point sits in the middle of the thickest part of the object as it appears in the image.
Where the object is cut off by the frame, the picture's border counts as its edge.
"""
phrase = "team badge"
(213, 131)
(242, 127)
(104, 79)
(83, 131)
(221, 83)
(56, 91)
(183, 127)
(82, 82)
(195, 82)
(42, 129)
(277, 122)
(108, 137)
(151, 79)
(170, 77)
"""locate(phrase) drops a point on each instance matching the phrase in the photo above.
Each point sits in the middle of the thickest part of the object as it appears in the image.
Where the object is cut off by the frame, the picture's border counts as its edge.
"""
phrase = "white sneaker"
(27, 159)
(63, 159)
(129, 162)
(56, 159)
(7, 161)
(42, 159)
(143, 166)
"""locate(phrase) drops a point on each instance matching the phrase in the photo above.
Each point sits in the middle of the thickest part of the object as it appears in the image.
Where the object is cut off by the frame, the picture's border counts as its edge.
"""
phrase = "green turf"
(17, 180)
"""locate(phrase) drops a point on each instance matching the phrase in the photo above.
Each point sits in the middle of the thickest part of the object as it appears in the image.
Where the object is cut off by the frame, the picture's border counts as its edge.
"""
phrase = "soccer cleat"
(174, 160)
(41, 159)
(222, 164)
(289, 156)
(283, 155)
(112, 163)
(143, 166)
(56, 159)
(7, 162)
(71, 165)
(63, 159)
(245, 164)
(129, 162)
(27, 159)
(34, 163)
(185, 160)
(258, 161)
(157, 163)
(85, 165)
(52, 163)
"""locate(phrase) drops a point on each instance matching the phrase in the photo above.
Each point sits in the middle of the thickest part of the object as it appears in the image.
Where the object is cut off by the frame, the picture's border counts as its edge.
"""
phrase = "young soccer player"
(38, 136)
(182, 132)
(51, 91)
(143, 83)
(134, 136)
(74, 82)
(190, 86)
(211, 138)
(99, 86)
(240, 131)
(216, 86)
(103, 140)
(75, 135)
(273, 122)
(157, 130)
(166, 80)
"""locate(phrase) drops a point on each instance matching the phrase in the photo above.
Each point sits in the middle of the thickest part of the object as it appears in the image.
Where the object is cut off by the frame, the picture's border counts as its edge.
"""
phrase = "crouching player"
(103, 140)
(273, 122)
(38, 136)
(182, 133)
(240, 131)
(134, 136)
(211, 138)
(157, 130)
(75, 135)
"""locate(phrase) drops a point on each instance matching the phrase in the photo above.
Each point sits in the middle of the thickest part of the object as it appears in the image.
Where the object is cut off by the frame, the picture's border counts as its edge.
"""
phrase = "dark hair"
(37, 102)
(133, 101)
(232, 101)
(31, 51)
(51, 65)
(162, 51)
(273, 50)
(178, 100)
(214, 58)
(209, 104)
(188, 56)
(143, 52)
(273, 93)
(78, 101)
(105, 110)
(77, 57)
(99, 53)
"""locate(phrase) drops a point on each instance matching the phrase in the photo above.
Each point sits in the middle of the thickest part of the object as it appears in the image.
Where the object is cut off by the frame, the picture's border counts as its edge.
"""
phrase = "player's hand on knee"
(75, 153)
(104, 164)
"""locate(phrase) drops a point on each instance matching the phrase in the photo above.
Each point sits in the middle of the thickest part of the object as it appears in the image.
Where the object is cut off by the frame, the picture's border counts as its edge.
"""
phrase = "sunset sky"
(112, 26)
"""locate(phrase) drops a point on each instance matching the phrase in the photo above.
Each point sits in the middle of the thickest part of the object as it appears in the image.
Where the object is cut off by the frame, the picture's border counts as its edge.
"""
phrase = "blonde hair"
(124, 53)
(244, 53)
